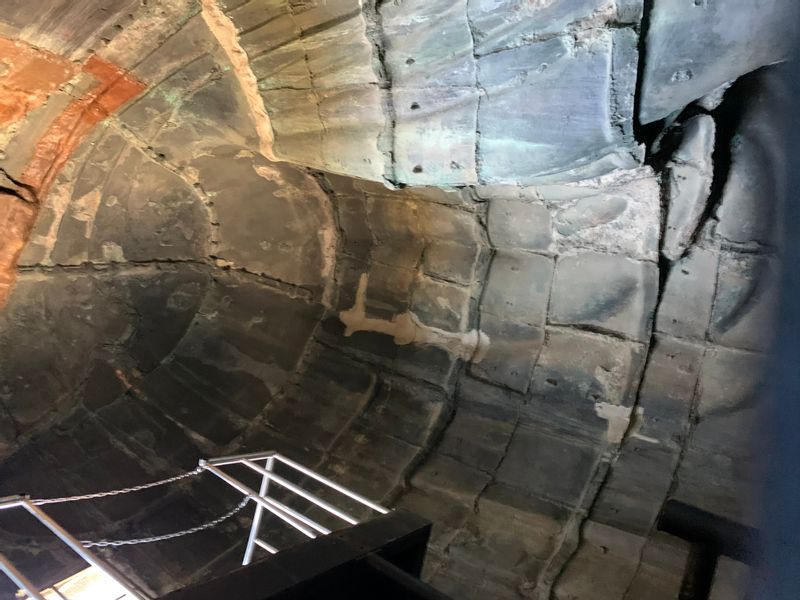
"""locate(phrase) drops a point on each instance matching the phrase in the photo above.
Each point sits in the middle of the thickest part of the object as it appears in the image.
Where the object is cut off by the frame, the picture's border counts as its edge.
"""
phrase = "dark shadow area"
(779, 555)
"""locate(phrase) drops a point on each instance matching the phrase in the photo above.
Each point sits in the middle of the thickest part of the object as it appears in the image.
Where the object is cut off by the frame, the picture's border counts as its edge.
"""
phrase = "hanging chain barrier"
(265, 500)
(167, 536)
(127, 490)
(138, 488)
(280, 510)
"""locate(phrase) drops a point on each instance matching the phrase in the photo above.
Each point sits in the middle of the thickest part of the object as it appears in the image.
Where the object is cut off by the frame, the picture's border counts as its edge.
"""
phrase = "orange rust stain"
(16, 222)
(27, 76)
(114, 88)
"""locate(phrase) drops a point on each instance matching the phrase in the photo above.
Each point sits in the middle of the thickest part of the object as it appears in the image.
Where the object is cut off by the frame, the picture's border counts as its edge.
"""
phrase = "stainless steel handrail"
(265, 502)
(69, 540)
(262, 500)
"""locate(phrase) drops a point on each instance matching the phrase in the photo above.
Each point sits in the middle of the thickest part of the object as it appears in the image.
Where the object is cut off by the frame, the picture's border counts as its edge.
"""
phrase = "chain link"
(137, 488)
(127, 490)
(167, 536)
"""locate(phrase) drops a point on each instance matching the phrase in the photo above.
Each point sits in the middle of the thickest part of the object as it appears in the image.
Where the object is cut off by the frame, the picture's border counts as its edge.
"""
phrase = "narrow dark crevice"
(481, 94)
(727, 118)
(448, 413)
(493, 480)
(643, 133)
(595, 329)
(14, 192)
(371, 10)
(660, 141)
(662, 149)
(14, 187)
(321, 178)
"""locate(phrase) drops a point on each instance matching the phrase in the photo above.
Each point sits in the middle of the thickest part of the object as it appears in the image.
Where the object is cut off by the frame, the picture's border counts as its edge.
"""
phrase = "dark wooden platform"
(378, 559)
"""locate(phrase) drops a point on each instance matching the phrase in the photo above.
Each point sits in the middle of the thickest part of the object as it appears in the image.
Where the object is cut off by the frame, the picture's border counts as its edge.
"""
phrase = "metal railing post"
(281, 511)
(301, 492)
(76, 546)
(19, 579)
(264, 502)
(263, 490)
